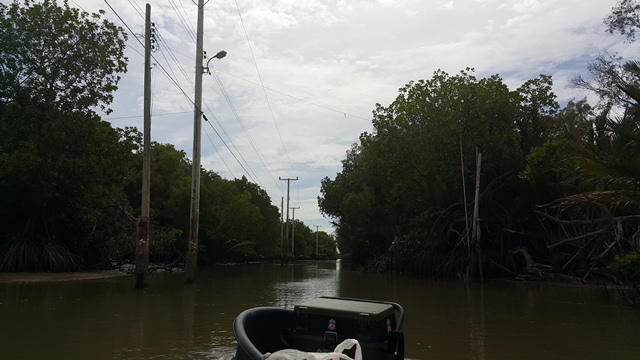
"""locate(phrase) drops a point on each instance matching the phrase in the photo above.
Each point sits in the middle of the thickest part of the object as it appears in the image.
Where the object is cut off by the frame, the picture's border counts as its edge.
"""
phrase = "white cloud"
(529, 6)
(326, 64)
(448, 5)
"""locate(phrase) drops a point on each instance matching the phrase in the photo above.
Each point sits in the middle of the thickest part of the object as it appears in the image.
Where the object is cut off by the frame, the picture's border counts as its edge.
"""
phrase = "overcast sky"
(302, 77)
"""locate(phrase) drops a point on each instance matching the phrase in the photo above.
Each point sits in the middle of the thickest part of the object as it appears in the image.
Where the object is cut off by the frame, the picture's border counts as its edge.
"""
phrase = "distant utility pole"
(317, 226)
(282, 231)
(293, 233)
(142, 225)
(288, 180)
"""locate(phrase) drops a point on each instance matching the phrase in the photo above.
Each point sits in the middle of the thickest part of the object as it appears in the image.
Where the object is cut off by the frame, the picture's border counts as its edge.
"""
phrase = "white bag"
(337, 354)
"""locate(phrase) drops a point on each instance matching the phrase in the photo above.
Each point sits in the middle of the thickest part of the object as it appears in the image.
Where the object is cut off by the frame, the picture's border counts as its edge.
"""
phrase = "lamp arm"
(219, 55)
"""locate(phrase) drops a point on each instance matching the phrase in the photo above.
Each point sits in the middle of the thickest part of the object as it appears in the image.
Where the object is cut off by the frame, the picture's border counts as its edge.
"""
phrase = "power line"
(154, 58)
(181, 19)
(137, 8)
(174, 81)
(244, 128)
(218, 152)
(124, 23)
(263, 89)
(139, 116)
(169, 57)
(225, 144)
(234, 146)
(173, 57)
(171, 53)
(294, 97)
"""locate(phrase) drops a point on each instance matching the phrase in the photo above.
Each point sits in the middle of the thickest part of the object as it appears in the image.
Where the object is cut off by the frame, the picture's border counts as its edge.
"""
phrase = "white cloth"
(337, 354)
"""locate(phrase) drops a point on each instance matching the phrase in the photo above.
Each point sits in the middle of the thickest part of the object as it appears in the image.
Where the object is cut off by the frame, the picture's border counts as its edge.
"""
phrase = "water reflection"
(306, 282)
(477, 331)
(108, 319)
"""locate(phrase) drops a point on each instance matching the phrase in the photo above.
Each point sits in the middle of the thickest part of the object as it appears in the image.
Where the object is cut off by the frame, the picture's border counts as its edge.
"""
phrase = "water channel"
(108, 319)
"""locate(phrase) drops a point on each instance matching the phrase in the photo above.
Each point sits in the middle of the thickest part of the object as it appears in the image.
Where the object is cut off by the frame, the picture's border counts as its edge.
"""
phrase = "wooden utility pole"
(142, 225)
(288, 180)
(191, 261)
(466, 215)
(476, 214)
(282, 231)
(317, 227)
(293, 232)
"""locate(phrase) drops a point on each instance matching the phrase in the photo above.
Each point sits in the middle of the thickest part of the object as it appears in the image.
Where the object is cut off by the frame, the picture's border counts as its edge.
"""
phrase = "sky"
(302, 77)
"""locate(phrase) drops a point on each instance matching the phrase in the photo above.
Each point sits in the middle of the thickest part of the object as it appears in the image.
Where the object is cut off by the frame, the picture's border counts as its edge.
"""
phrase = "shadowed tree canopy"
(59, 55)
(62, 169)
(413, 170)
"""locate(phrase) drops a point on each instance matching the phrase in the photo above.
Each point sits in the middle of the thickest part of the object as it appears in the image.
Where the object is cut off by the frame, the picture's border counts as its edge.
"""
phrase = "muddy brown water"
(106, 318)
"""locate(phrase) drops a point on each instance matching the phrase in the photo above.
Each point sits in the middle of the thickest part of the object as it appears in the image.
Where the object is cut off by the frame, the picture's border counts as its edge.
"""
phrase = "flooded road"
(107, 319)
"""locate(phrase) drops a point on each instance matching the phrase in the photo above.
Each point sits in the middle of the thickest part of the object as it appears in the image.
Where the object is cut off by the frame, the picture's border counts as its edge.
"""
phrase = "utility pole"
(282, 231)
(293, 233)
(191, 262)
(476, 215)
(288, 180)
(317, 226)
(142, 225)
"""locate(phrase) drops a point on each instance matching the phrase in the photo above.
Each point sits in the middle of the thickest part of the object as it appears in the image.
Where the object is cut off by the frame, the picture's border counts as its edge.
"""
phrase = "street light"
(219, 55)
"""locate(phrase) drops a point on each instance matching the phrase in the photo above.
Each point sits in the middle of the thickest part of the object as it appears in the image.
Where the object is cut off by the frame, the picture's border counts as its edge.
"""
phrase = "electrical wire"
(232, 144)
(263, 88)
(218, 152)
(181, 18)
(346, 114)
(229, 142)
(174, 81)
(168, 56)
(154, 58)
(245, 130)
(242, 166)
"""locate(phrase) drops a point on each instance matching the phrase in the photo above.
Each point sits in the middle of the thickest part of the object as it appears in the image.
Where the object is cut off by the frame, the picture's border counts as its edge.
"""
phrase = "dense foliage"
(60, 172)
(70, 184)
(61, 183)
(404, 181)
(59, 56)
(557, 188)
